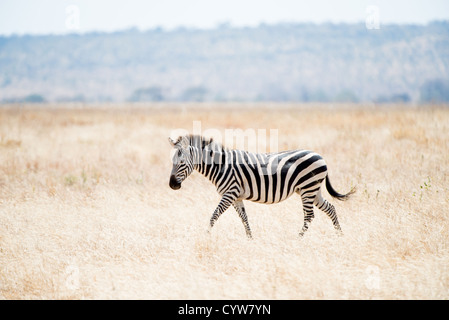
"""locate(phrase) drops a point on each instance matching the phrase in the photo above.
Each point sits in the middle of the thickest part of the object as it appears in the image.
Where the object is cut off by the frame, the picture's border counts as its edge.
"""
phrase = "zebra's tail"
(335, 194)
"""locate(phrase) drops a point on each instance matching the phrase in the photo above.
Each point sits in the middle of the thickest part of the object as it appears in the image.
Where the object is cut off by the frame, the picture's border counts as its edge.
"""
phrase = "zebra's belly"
(270, 200)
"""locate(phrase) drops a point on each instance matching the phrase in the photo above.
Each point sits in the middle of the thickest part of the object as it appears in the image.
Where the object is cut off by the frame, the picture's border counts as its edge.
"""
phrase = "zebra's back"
(273, 177)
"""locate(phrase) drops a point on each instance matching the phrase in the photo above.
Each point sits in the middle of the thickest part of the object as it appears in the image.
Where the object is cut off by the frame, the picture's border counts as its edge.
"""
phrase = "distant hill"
(284, 62)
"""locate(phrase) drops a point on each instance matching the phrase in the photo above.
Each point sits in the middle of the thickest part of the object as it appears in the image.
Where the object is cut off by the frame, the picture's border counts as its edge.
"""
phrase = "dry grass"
(86, 210)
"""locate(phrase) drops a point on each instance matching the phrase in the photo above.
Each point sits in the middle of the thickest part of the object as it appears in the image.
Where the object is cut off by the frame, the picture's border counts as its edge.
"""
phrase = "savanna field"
(86, 211)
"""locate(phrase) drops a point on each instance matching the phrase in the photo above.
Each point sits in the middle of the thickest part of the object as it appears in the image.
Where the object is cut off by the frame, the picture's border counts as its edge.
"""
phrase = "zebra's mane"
(202, 142)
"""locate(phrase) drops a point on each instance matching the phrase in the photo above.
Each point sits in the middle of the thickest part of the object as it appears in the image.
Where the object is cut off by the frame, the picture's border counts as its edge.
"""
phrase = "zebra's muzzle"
(174, 184)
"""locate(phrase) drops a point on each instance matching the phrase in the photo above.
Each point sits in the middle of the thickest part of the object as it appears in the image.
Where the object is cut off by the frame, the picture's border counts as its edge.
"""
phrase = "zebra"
(259, 177)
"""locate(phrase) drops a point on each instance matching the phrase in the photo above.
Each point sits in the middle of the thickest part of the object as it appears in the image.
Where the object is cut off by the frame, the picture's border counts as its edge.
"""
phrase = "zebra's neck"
(212, 167)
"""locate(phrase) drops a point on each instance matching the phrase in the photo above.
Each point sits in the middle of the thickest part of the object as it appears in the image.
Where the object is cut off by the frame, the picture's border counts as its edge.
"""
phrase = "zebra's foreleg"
(240, 208)
(224, 204)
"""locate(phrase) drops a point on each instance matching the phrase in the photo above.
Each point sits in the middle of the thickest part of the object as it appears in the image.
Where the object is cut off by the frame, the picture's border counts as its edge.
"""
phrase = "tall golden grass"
(86, 211)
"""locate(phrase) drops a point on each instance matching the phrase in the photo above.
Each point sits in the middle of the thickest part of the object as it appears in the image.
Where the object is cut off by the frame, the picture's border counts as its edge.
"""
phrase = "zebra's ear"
(170, 140)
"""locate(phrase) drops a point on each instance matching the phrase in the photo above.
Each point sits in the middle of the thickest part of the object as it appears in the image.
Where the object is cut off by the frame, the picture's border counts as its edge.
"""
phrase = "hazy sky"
(62, 16)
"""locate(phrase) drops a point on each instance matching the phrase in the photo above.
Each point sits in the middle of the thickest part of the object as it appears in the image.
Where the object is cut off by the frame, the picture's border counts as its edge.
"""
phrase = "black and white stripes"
(264, 178)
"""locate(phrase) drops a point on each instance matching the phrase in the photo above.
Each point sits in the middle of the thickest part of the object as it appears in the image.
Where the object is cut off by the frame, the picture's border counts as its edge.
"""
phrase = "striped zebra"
(264, 178)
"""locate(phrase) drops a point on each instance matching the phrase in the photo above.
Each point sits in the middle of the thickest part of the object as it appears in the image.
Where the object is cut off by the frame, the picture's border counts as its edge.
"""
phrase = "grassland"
(86, 210)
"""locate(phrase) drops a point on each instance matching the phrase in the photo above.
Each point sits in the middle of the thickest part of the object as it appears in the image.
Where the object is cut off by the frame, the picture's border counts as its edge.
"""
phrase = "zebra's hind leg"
(240, 208)
(329, 209)
(307, 206)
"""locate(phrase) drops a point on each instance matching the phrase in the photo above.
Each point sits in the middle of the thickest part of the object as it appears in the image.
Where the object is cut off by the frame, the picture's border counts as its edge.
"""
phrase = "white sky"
(59, 17)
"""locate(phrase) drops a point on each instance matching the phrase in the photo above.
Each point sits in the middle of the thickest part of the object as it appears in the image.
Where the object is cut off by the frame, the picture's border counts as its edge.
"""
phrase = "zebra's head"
(182, 162)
